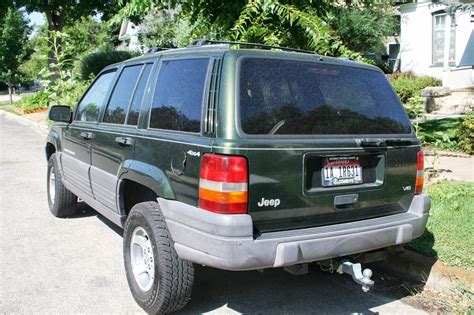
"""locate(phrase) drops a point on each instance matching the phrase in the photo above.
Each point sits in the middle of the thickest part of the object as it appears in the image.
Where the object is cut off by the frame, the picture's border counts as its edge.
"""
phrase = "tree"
(362, 29)
(305, 24)
(38, 60)
(60, 13)
(4, 5)
(14, 48)
(158, 29)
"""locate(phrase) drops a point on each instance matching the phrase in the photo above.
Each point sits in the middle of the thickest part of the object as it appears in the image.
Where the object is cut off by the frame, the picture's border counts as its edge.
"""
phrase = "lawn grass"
(441, 133)
(449, 234)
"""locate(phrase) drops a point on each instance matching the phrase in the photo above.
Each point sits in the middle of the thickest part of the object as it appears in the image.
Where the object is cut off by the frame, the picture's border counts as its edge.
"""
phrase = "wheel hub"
(52, 184)
(142, 259)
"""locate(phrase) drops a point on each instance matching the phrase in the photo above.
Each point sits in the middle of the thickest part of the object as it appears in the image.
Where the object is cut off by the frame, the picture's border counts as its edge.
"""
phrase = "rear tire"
(160, 281)
(62, 203)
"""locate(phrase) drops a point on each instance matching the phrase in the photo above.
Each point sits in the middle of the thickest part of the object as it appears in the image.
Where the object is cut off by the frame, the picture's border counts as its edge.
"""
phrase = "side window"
(92, 102)
(138, 96)
(177, 102)
(118, 104)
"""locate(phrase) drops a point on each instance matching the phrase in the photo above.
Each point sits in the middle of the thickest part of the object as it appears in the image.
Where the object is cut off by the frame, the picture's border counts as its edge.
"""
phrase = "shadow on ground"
(85, 211)
(410, 266)
(275, 292)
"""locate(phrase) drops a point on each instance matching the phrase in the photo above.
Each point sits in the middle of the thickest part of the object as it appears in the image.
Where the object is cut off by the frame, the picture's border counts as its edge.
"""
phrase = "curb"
(434, 274)
(43, 129)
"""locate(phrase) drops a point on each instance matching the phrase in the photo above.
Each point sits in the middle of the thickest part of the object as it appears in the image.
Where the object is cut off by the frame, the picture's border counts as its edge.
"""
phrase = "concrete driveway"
(75, 265)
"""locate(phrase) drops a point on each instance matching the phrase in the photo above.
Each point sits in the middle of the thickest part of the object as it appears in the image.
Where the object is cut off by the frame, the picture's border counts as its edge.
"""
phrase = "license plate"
(341, 171)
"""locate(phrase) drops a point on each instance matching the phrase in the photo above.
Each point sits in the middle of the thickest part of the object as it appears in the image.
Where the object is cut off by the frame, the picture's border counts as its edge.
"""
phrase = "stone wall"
(444, 101)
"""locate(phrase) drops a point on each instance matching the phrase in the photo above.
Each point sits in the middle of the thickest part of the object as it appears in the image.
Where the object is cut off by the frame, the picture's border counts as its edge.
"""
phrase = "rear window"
(304, 98)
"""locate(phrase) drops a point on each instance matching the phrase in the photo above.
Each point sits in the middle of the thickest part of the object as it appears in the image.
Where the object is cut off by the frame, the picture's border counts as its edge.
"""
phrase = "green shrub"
(441, 133)
(64, 91)
(408, 85)
(92, 64)
(67, 91)
(448, 235)
(30, 103)
(466, 134)
(415, 107)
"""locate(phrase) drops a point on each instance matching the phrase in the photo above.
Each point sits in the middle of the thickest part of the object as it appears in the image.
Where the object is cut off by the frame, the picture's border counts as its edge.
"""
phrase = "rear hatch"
(325, 144)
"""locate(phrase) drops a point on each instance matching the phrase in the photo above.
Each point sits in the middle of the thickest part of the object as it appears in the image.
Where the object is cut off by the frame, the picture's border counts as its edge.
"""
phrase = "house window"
(452, 42)
(439, 31)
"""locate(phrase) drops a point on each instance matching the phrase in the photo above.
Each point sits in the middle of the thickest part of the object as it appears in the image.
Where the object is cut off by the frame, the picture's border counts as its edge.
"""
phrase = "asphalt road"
(75, 265)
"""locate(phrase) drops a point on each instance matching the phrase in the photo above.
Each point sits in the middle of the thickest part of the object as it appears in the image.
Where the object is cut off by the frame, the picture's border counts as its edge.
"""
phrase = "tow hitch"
(359, 276)
(353, 269)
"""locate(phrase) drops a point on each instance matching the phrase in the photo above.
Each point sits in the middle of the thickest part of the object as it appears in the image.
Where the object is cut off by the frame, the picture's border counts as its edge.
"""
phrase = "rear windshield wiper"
(371, 142)
(399, 142)
(377, 142)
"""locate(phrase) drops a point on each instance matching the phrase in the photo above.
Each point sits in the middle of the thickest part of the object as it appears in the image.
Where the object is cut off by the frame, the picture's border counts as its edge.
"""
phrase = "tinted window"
(138, 96)
(287, 97)
(92, 102)
(178, 95)
(120, 99)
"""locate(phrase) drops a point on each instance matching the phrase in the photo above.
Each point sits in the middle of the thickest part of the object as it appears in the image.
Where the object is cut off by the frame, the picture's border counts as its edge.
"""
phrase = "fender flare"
(53, 138)
(147, 175)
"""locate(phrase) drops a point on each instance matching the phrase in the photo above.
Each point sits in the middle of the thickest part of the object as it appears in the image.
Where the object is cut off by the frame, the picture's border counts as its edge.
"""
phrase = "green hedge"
(408, 85)
(466, 134)
(30, 103)
(92, 64)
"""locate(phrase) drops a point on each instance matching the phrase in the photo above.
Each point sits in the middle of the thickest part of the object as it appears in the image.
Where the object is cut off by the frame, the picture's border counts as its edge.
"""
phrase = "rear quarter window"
(178, 97)
(303, 98)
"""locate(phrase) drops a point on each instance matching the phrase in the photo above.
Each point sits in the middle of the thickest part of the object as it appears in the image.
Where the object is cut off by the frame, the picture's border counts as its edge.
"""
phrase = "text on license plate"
(341, 171)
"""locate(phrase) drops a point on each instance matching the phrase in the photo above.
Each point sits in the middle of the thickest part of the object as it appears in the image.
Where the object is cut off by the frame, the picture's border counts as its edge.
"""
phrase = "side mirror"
(61, 113)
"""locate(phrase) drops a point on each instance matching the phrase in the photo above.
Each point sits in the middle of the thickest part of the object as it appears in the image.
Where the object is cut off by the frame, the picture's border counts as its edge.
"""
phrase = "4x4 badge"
(194, 153)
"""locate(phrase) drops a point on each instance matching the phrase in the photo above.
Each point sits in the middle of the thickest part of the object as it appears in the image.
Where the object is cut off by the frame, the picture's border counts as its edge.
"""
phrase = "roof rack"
(152, 50)
(202, 42)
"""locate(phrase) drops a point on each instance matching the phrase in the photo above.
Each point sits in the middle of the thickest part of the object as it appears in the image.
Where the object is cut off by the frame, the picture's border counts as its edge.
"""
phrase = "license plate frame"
(341, 171)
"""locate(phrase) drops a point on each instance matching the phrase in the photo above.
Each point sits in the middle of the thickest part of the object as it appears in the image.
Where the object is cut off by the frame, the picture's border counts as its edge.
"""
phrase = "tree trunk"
(10, 92)
(55, 20)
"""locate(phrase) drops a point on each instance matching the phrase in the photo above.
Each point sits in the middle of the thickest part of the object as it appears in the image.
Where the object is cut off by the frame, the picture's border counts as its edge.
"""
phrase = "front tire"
(160, 281)
(62, 203)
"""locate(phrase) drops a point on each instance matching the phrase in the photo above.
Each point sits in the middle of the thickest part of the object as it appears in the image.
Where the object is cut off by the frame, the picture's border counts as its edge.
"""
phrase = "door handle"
(124, 141)
(87, 135)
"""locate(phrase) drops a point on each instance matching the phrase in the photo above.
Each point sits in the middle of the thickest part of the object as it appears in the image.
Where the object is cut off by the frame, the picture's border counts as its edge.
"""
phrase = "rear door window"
(90, 106)
(178, 97)
(303, 98)
(117, 108)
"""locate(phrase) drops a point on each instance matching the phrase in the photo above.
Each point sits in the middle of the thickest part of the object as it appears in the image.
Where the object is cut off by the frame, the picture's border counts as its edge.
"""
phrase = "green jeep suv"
(239, 159)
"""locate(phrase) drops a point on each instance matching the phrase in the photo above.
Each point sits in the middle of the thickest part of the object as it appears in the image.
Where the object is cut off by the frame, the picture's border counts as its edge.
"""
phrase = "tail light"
(223, 184)
(420, 172)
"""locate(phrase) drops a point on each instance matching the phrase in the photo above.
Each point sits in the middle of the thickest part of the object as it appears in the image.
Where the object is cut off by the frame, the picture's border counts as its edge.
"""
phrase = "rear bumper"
(226, 241)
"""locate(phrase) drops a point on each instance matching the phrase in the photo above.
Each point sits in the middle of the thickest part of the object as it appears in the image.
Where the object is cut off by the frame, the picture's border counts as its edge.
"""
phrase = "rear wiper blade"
(399, 142)
(371, 142)
(377, 142)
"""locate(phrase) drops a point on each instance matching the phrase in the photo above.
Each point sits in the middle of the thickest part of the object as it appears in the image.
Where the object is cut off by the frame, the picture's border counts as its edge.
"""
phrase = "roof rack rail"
(202, 42)
(152, 50)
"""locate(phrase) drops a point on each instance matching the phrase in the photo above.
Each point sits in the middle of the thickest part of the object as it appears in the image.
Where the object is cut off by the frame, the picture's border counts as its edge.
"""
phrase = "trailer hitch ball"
(367, 273)
(359, 276)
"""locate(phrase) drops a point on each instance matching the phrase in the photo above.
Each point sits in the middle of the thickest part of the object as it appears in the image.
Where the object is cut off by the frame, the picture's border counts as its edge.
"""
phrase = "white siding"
(417, 40)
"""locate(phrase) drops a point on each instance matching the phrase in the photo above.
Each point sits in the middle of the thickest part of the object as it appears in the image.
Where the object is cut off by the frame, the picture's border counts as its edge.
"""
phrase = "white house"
(436, 43)
(128, 36)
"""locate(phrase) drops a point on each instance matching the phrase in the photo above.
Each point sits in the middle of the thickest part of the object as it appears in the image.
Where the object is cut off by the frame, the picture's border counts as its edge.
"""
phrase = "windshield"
(289, 97)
